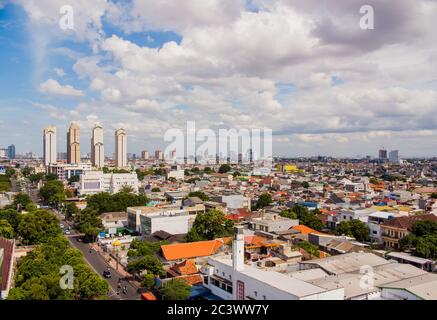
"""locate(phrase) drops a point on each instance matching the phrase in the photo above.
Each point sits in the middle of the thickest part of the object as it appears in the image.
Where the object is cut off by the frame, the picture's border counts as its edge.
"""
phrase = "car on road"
(107, 274)
(67, 232)
(62, 226)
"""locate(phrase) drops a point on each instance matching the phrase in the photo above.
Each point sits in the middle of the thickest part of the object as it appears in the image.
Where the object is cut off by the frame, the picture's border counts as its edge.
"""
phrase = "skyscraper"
(97, 147)
(159, 155)
(49, 145)
(145, 155)
(382, 154)
(73, 143)
(393, 156)
(120, 148)
(11, 151)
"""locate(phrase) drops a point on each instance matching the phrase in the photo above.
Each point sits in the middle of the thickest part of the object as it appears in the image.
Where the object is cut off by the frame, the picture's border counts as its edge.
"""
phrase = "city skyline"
(335, 90)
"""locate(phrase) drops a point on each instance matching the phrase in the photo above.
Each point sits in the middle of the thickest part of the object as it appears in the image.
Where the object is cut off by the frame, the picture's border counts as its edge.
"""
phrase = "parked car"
(107, 274)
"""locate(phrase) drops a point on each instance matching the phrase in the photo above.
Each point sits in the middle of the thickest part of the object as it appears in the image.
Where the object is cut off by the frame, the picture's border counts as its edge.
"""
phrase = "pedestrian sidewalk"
(110, 260)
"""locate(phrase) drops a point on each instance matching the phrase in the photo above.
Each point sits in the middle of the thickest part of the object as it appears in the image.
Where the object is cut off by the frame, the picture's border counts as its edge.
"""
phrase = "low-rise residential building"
(147, 220)
(395, 229)
(272, 223)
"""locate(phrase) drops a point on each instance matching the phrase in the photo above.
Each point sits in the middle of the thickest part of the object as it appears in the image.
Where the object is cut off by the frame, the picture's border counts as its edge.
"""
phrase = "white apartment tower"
(49, 141)
(97, 147)
(120, 148)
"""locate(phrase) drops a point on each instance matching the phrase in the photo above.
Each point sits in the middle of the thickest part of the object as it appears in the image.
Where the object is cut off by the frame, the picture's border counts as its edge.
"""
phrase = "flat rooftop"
(294, 286)
(348, 262)
(424, 286)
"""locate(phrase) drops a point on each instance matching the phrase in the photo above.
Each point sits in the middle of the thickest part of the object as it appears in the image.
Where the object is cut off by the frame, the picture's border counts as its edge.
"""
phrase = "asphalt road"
(99, 264)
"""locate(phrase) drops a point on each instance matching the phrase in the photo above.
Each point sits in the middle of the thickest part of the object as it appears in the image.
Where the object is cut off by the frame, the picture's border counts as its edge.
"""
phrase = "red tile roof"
(193, 249)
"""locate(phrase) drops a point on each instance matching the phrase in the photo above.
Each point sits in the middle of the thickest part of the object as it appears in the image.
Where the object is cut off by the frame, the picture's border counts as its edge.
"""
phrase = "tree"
(175, 289)
(30, 207)
(88, 221)
(210, 225)
(290, 214)
(264, 200)
(208, 170)
(422, 240)
(140, 174)
(156, 189)
(52, 192)
(354, 228)
(6, 230)
(38, 227)
(51, 177)
(201, 195)
(195, 170)
(373, 180)
(305, 184)
(71, 210)
(73, 179)
(10, 172)
(310, 248)
(27, 171)
(224, 168)
(307, 218)
(11, 216)
(148, 281)
(38, 274)
(105, 202)
(37, 177)
(22, 200)
(236, 174)
(149, 263)
(127, 189)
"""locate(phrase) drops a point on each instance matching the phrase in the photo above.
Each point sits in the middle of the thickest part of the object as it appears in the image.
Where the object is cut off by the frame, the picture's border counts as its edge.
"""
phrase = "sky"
(303, 68)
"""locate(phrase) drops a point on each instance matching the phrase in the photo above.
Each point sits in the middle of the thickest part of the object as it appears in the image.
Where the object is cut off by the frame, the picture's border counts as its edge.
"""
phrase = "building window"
(255, 293)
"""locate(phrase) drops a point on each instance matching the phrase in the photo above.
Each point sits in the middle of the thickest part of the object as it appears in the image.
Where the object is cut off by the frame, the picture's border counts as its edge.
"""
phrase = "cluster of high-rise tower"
(73, 146)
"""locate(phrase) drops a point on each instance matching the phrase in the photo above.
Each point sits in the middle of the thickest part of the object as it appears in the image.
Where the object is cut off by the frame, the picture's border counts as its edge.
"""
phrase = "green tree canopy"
(38, 274)
(12, 216)
(148, 281)
(52, 192)
(27, 171)
(208, 170)
(22, 200)
(354, 228)
(105, 202)
(307, 218)
(73, 179)
(38, 226)
(264, 200)
(71, 210)
(149, 263)
(210, 225)
(224, 168)
(88, 221)
(36, 177)
(288, 213)
(6, 230)
(10, 172)
(422, 240)
(201, 195)
(51, 177)
(175, 289)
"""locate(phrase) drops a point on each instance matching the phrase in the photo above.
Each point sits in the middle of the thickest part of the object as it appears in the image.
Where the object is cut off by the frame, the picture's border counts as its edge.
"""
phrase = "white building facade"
(93, 182)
